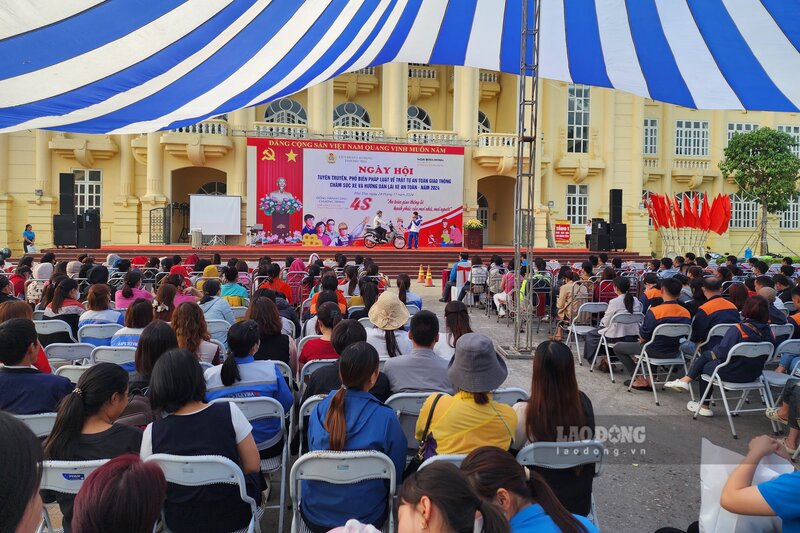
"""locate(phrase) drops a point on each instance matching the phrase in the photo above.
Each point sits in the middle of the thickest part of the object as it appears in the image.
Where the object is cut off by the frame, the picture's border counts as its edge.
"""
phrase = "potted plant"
(474, 231)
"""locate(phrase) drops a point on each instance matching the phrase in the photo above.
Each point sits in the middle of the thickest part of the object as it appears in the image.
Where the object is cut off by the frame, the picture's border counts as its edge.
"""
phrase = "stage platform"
(391, 260)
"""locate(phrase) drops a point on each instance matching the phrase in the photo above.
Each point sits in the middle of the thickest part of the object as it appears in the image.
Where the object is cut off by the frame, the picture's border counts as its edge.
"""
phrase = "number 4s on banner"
(361, 204)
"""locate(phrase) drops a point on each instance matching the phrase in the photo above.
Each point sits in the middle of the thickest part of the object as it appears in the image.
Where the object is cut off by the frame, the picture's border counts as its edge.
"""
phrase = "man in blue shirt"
(25, 390)
(667, 270)
(28, 238)
(451, 282)
(413, 230)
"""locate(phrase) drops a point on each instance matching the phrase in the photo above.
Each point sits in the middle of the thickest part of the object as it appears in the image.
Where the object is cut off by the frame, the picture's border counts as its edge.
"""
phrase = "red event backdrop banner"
(327, 192)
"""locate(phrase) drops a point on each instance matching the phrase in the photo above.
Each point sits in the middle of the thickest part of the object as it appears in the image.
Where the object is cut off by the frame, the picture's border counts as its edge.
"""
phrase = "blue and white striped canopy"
(130, 66)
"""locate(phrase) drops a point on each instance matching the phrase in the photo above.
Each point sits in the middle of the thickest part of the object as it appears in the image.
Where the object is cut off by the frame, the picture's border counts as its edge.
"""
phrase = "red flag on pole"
(705, 216)
(679, 222)
(688, 214)
(726, 219)
(652, 214)
(717, 214)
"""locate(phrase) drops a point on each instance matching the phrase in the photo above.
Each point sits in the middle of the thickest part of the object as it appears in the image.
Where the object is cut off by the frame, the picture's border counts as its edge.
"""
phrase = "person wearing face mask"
(65, 305)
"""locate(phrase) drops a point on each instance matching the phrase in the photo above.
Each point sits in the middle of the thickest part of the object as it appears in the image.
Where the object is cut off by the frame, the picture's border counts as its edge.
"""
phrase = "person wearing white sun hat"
(389, 316)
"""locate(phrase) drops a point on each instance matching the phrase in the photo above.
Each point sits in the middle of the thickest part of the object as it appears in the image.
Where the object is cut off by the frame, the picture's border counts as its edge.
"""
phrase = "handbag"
(419, 457)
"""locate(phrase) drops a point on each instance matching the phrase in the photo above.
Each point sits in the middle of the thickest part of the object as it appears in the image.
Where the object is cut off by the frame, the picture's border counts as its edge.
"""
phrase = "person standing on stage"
(588, 232)
(413, 233)
(29, 239)
(377, 225)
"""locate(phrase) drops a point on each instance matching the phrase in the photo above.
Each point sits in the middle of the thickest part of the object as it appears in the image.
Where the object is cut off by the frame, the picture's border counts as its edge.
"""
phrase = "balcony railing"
(275, 129)
(207, 127)
(650, 162)
(497, 140)
(432, 137)
(341, 133)
(422, 72)
(369, 71)
(692, 163)
(487, 77)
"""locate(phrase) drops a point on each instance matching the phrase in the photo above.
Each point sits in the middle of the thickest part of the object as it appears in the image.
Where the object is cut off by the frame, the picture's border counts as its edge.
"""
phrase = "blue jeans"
(413, 240)
(688, 348)
(789, 361)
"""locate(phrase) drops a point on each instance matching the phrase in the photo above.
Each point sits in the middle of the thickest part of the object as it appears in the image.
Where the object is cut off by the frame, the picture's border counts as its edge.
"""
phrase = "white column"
(320, 108)
(394, 99)
(155, 166)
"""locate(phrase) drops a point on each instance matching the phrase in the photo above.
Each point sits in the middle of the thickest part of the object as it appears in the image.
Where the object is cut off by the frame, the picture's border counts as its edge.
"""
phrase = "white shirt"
(377, 222)
(588, 229)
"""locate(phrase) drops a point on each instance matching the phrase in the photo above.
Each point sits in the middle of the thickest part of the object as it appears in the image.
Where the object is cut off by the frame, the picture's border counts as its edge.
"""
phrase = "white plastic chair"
(98, 331)
(218, 329)
(65, 477)
(366, 323)
(41, 424)
(576, 329)
(407, 405)
(412, 309)
(354, 308)
(239, 312)
(262, 408)
(563, 455)
(302, 414)
(782, 330)
(510, 395)
(749, 350)
(113, 354)
(38, 314)
(308, 369)
(204, 470)
(72, 372)
(51, 327)
(341, 468)
(646, 362)
(619, 318)
(778, 380)
(454, 459)
(67, 351)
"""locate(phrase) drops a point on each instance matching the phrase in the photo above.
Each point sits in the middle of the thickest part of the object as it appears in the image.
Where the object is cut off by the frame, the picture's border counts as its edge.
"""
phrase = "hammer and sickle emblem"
(268, 154)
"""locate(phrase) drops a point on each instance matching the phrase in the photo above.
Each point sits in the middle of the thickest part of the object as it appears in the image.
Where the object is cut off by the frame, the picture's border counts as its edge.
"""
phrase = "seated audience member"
(571, 296)
(716, 310)
(241, 376)
(132, 290)
(421, 370)
(369, 295)
(193, 427)
(275, 344)
(776, 497)
(64, 306)
(232, 291)
(21, 472)
(139, 314)
(477, 269)
(73, 269)
(157, 338)
(310, 325)
(776, 316)
(85, 430)
(456, 325)
(389, 317)
(275, 282)
(669, 312)
(470, 418)
(753, 328)
(557, 410)
(750, 283)
(326, 379)
(404, 291)
(783, 286)
(788, 271)
(760, 268)
(290, 323)
(738, 294)
(329, 283)
(787, 412)
(99, 299)
(667, 269)
(19, 277)
(21, 309)
(652, 291)
(794, 318)
(25, 390)
(164, 302)
(98, 275)
(184, 291)
(351, 418)
(462, 263)
(191, 330)
(588, 269)
(209, 272)
(6, 290)
(350, 286)
(328, 316)
(214, 306)
(125, 494)
(623, 302)
(526, 498)
(440, 499)
(607, 293)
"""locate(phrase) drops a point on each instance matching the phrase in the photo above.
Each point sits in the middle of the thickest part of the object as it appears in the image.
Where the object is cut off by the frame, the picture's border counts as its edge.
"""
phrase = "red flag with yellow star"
(279, 189)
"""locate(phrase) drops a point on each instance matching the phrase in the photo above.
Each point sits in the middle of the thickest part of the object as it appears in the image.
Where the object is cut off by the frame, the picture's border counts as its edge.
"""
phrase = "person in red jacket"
(22, 274)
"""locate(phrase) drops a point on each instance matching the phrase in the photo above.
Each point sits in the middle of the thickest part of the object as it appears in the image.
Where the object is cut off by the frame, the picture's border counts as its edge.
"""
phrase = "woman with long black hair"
(65, 306)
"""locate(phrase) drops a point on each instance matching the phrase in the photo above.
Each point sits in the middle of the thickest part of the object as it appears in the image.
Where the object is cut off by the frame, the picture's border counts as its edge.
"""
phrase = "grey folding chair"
(65, 477)
(510, 395)
(302, 414)
(72, 372)
(97, 331)
(407, 405)
(454, 459)
(647, 361)
(578, 327)
(113, 354)
(68, 352)
(619, 318)
(51, 327)
(717, 331)
(40, 424)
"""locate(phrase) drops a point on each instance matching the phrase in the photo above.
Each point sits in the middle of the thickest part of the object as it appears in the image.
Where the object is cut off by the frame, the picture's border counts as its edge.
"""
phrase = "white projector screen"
(215, 215)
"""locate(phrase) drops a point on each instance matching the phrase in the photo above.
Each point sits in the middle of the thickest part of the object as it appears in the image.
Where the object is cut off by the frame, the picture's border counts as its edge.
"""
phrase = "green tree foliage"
(765, 169)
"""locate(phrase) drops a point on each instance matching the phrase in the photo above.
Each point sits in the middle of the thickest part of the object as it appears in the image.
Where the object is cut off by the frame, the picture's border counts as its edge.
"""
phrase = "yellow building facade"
(591, 140)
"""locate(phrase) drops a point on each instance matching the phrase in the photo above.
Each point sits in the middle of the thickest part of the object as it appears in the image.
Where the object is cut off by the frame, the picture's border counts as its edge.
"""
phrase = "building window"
(418, 118)
(691, 138)
(213, 188)
(88, 189)
(578, 119)
(794, 131)
(577, 204)
(483, 123)
(351, 115)
(790, 219)
(650, 136)
(740, 127)
(285, 111)
(744, 212)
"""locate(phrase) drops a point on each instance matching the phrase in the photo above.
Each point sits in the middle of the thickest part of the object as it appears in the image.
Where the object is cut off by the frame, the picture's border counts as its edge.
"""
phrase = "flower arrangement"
(272, 238)
(473, 223)
(271, 206)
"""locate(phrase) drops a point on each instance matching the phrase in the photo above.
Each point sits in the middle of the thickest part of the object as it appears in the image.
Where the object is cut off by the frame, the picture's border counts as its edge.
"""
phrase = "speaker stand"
(216, 240)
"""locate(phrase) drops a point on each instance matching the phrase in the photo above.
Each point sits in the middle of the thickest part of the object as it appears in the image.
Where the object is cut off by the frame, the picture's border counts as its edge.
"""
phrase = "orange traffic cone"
(429, 278)
(421, 275)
